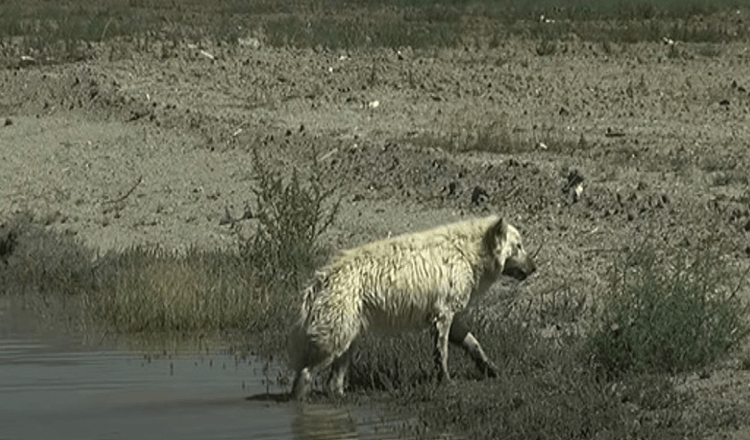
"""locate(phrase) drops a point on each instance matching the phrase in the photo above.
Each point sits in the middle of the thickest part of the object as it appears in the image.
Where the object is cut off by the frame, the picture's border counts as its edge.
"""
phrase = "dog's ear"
(500, 229)
(498, 232)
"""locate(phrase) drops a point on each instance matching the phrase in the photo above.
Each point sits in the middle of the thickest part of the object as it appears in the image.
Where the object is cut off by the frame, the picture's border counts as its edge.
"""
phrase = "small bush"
(493, 137)
(668, 311)
(291, 215)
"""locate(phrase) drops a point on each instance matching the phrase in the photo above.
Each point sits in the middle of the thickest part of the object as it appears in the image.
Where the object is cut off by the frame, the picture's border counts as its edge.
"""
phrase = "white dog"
(410, 281)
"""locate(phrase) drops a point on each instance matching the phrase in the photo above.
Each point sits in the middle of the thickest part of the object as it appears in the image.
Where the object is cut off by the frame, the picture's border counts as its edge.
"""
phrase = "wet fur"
(411, 281)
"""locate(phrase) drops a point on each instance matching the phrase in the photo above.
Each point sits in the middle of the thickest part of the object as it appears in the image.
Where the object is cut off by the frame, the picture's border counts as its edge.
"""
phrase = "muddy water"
(52, 387)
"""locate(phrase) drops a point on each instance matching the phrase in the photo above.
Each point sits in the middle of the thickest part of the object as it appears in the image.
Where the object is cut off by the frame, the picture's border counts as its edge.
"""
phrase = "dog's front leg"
(460, 335)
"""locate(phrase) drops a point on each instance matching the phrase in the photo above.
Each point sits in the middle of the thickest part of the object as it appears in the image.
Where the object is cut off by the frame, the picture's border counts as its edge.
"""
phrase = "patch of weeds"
(637, 89)
(64, 33)
(636, 11)
(494, 137)
(543, 391)
(151, 289)
(552, 141)
(497, 40)
(649, 391)
(680, 160)
(607, 46)
(745, 361)
(730, 177)
(37, 260)
(724, 171)
(498, 137)
(292, 212)
(546, 47)
(709, 50)
(544, 405)
(381, 363)
(636, 31)
(668, 311)
(744, 197)
(349, 32)
(561, 306)
(311, 32)
(491, 137)
(676, 53)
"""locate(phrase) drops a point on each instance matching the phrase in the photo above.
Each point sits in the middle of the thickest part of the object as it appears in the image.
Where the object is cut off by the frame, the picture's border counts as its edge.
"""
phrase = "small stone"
(479, 196)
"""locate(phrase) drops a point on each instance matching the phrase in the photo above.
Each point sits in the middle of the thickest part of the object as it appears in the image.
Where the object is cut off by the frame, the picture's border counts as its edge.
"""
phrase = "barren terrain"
(139, 146)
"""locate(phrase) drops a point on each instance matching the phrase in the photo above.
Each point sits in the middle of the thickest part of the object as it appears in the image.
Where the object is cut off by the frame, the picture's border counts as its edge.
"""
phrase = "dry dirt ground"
(147, 146)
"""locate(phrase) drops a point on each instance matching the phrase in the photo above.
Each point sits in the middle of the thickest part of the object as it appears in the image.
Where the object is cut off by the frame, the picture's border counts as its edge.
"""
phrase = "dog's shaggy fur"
(410, 281)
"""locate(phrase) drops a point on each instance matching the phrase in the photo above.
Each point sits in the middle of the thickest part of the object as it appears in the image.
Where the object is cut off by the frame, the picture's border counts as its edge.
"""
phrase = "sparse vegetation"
(660, 318)
(39, 261)
(62, 33)
(292, 214)
(500, 138)
(668, 312)
(547, 388)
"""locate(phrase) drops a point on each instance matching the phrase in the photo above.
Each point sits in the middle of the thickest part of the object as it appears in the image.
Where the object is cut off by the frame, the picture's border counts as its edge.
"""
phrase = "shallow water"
(53, 387)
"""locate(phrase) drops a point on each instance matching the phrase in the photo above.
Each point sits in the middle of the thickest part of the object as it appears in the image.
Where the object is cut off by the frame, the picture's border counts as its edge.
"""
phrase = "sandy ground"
(139, 147)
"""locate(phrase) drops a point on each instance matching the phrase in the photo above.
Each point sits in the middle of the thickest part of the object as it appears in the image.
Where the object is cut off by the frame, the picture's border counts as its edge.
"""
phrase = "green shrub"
(292, 214)
(668, 311)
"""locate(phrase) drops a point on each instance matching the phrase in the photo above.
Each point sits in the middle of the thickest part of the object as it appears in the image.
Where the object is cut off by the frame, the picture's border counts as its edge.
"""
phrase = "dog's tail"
(299, 347)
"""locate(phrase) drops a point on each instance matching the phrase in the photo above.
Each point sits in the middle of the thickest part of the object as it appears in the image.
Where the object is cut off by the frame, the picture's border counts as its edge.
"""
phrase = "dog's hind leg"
(441, 332)
(338, 373)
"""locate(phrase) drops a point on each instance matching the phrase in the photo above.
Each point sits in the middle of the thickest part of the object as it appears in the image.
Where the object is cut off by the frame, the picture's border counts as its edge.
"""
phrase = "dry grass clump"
(155, 290)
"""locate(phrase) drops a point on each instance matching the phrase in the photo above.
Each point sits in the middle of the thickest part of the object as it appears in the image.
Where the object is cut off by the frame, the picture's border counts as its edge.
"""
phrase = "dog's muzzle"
(519, 269)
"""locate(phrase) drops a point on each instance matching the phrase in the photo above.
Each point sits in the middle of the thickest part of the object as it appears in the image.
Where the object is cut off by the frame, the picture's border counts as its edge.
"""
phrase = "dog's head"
(507, 248)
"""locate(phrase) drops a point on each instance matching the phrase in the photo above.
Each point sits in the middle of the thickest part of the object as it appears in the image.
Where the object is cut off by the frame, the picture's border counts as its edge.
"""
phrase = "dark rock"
(573, 180)
(479, 196)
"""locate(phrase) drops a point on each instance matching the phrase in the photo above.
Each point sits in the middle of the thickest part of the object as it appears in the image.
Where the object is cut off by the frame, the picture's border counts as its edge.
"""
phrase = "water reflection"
(316, 421)
(54, 387)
